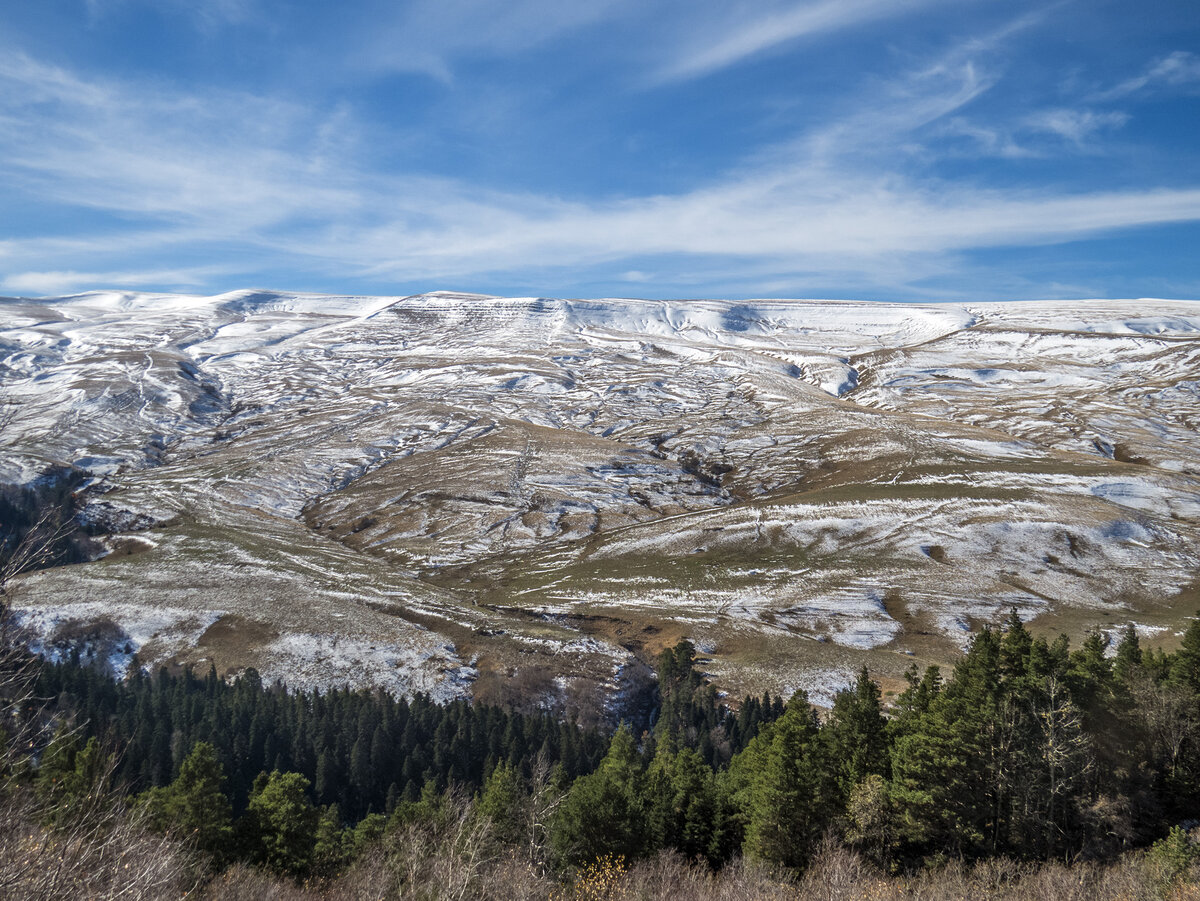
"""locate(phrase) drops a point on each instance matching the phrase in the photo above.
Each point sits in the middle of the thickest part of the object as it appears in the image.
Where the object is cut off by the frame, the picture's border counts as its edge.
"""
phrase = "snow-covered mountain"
(446, 491)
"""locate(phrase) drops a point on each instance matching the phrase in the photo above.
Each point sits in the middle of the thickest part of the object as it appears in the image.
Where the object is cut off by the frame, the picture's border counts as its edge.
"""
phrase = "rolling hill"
(525, 498)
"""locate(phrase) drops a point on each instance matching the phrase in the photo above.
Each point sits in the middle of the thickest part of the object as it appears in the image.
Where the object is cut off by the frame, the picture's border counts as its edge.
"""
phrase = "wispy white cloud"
(1181, 68)
(1074, 125)
(988, 140)
(207, 14)
(878, 125)
(1038, 134)
(431, 35)
(47, 283)
(142, 151)
(789, 220)
(724, 42)
(887, 118)
(222, 176)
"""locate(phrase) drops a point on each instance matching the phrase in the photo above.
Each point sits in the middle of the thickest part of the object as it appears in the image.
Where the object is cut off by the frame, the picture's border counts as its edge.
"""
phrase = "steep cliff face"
(519, 496)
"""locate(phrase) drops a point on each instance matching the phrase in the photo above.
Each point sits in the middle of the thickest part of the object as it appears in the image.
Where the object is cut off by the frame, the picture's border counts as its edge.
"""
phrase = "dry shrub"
(106, 854)
(244, 883)
(456, 861)
(1082, 882)
(604, 879)
(454, 858)
(1184, 891)
(670, 877)
(514, 878)
(748, 879)
(838, 874)
(439, 876)
(1128, 879)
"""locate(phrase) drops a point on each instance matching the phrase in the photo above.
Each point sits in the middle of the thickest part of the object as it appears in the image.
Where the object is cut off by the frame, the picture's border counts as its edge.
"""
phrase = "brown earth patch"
(230, 645)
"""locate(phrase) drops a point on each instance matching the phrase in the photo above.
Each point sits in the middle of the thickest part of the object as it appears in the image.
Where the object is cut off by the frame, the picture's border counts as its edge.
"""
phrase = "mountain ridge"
(459, 491)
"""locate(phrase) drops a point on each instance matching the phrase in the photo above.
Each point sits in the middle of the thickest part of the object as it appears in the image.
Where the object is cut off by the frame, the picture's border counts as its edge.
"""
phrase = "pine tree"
(194, 805)
(943, 768)
(857, 733)
(74, 781)
(333, 846)
(501, 802)
(1129, 656)
(682, 807)
(793, 793)
(284, 822)
(1185, 668)
(602, 814)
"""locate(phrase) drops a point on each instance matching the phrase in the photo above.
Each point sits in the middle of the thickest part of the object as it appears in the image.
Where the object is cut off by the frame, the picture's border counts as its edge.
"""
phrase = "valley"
(524, 499)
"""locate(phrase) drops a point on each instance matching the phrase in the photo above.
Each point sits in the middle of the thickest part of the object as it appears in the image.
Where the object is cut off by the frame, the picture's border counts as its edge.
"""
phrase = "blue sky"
(880, 149)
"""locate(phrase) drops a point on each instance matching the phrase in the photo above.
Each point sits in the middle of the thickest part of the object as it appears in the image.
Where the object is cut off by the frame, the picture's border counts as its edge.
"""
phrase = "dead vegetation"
(100, 850)
(438, 874)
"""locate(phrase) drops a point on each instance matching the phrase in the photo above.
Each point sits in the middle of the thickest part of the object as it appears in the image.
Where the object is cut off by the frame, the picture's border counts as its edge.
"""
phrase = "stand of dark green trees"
(363, 751)
(38, 526)
(1029, 749)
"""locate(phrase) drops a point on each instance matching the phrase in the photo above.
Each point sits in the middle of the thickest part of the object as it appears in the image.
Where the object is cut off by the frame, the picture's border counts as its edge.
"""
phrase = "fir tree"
(282, 822)
(793, 794)
(603, 812)
(194, 805)
(857, 733)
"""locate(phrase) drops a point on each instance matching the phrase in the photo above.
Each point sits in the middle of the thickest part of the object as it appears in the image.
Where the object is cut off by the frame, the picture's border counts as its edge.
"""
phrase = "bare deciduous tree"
(96, 848)
(21, 719)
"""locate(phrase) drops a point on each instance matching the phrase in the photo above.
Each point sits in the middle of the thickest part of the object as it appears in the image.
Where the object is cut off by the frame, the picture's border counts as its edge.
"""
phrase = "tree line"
(1029, 749)
(215, 753)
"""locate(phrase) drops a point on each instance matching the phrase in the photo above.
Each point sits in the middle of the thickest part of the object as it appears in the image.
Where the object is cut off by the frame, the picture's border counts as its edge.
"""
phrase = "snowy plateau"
(525, 498)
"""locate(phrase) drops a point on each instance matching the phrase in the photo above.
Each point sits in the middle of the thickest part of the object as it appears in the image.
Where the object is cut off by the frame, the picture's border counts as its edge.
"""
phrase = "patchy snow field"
(418, 492)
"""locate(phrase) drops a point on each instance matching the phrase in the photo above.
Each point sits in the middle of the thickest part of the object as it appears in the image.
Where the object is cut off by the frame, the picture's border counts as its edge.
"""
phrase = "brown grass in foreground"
(104, 852)
(836, 875)
(110, 856)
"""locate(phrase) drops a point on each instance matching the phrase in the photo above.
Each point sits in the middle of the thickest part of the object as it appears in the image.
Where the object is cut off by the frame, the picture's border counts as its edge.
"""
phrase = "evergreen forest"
(1029, 752)
(1031, 770)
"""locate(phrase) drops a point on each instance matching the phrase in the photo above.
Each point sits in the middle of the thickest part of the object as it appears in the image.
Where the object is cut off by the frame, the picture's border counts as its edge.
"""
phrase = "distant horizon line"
(285, 292)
